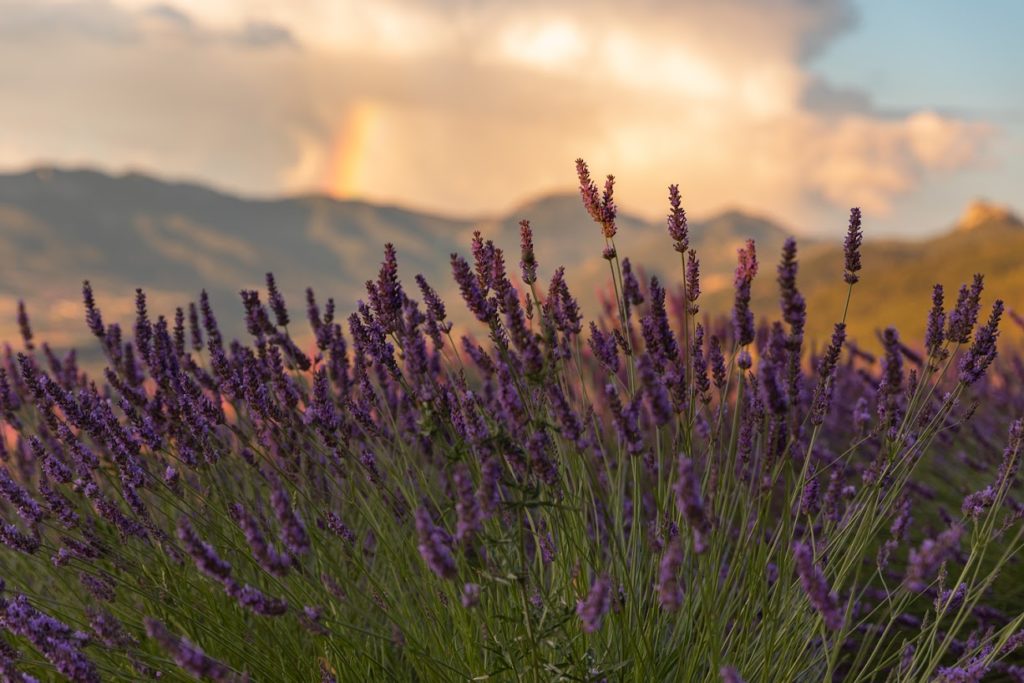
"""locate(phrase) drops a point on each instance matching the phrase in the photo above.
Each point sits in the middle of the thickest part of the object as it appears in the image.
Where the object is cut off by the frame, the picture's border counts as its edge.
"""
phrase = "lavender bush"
(657, 495)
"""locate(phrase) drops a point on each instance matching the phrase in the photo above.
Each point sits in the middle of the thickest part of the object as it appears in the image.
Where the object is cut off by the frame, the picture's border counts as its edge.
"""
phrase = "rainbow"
(344, 175)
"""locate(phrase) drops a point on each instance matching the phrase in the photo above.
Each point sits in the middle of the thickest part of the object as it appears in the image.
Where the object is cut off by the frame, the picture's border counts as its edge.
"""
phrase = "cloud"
(103, 21)
(26, 21)
(868, 162)
(469, 106)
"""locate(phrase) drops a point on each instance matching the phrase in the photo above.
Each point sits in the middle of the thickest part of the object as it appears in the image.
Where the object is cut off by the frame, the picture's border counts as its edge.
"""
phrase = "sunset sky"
(793, 108)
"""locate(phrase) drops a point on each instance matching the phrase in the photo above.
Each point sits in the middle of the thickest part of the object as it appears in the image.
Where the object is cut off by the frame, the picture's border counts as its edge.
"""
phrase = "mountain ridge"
(172, 238)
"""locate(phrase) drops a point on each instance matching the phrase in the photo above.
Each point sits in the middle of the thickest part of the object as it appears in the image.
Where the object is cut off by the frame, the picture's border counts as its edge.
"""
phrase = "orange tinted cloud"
(467, 108)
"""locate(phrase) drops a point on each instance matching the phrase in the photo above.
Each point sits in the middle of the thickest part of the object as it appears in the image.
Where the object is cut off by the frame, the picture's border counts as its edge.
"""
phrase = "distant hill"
(58, 227)
(896, 283)
(982, 214)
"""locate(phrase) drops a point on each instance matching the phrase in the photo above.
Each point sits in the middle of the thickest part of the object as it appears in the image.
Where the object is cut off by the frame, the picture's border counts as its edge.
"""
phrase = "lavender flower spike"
(934, 335)
(851, 248)
(601, 207)
(528, 264)
(467, 507)
(742, 316)
(826, 375)
(815, 586)
(276, 563)
(293, 530)
(205, 556)
(983, 351)
(688, 500)
(435, 545)
(189, 657)
(670, 590)
(962, 318)
(677, 229)
(24, 326)
(592, 610)
(729, 675)
(28, 508)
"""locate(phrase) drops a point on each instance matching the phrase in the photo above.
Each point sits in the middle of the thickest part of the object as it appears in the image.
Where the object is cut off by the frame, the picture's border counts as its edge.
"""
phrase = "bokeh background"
(191, 144)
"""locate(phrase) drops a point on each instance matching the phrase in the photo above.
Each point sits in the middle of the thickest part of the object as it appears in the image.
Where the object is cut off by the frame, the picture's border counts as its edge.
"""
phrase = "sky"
(795, 109)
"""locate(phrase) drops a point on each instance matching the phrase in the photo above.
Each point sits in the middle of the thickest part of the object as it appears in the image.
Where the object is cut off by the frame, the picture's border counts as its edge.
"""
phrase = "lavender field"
(664, 493)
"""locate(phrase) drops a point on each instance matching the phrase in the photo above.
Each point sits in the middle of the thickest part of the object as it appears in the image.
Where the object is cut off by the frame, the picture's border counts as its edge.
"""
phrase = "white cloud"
(464, 106)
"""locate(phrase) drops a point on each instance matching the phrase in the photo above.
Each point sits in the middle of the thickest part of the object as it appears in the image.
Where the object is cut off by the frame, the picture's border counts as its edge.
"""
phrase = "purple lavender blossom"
(593, 609)
(92, 314)
(100, 587)
(28, 509)
(934, 334)
(59, 643)
(625, 419)
(816, 587)
(971, 671)
(716, 359)
(109, 630)
(202, 553)
(601, 207)
(563, 308)
(489, 493)
(699, 364)
(670, 588)
(655, 391)
(742, 316)
(961, 320)
(336, 526)
(826, 376)
(794, 308)
(293, 529)
(528, 262)
(632, 295)
(482, 307)
(851, 248)
(467, 509)
(950, 599)
(689, 502)
(975, 362)
(729, 675)
(272, 561)
(13, 538)
(194, 328)
(569, 422)
(925, 560)
(24, 326)
(386, 295)
(470, 595)
(256, 600)
(58, 505)
(975, 504)
(538, 446)
(677, 229)
(691, 278)
(276, 302)
(605, 348)
(435, 545)
(1010, 463)
(189, 657)
(809, 501)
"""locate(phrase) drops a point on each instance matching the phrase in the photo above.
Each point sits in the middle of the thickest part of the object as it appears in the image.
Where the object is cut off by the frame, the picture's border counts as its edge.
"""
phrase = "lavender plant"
(664, 497)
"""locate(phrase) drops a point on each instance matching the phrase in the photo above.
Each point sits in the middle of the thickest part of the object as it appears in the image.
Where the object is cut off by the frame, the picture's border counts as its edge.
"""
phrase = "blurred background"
(197, 144)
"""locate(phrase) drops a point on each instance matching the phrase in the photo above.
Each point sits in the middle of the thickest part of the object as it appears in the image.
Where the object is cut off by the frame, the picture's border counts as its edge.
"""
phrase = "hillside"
(58, 227)
(896, 283)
